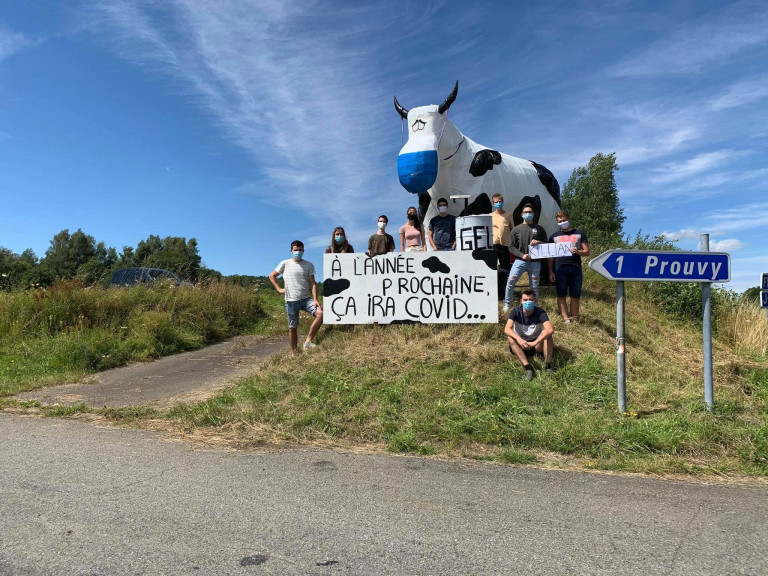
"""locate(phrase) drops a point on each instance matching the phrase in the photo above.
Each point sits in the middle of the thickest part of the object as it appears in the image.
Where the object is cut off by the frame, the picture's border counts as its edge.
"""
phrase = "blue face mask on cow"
(528, 216)
(528, 305)
(298, 255)
(498, 205)
(339, 239)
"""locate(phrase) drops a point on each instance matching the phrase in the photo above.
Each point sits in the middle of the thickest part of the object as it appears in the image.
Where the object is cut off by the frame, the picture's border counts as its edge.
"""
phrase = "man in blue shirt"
(529, 333)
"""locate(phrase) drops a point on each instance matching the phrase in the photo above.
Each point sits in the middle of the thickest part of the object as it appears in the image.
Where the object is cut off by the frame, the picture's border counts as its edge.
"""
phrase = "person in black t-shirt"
(565, 271)
(529, 332)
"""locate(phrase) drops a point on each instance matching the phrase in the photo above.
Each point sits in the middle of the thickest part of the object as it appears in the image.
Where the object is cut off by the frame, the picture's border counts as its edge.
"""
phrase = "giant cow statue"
(439, 161)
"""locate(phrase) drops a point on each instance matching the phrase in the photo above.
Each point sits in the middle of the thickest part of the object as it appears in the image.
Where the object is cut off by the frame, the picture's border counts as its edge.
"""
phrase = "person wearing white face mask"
(442, 228)
(300, 294)
(565, 271)
(381, 242)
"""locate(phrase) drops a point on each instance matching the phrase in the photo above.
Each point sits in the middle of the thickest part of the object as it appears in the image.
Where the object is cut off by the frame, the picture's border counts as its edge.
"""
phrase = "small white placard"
(550, 250)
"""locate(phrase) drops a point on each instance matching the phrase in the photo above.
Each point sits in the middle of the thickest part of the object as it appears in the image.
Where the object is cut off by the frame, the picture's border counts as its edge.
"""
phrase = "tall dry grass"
(61, 333)
(743, 325)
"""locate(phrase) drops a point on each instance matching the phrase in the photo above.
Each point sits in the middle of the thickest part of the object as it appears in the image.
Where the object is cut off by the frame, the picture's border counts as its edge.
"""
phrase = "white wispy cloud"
(289, 93)
(11, 43)
(738, 217)
(680, 234)
(673, 171)
(726, 245)
(741, 94)
(711, 39)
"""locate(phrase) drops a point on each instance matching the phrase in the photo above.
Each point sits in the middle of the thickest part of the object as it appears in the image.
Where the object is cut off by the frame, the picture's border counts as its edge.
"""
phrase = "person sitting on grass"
(300, 294)
(529, 332)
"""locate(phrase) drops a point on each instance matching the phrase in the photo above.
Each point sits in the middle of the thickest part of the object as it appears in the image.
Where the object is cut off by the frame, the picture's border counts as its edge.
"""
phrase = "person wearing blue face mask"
(339, 243)
(529, 333)
(522, 237)
(300, 294)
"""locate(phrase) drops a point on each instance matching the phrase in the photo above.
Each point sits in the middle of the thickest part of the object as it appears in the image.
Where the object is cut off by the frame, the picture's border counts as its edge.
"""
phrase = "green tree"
(591, 198)
(78, 255)
(171, 253)
(14, 267)
(68, 252)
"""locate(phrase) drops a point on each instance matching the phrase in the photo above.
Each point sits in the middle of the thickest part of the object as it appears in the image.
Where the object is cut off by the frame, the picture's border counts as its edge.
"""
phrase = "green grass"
(454, 390)
(59, 334)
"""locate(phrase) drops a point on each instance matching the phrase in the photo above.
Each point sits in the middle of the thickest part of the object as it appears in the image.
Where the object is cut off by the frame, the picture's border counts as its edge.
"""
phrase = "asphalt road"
(186, 377)
(81, 499)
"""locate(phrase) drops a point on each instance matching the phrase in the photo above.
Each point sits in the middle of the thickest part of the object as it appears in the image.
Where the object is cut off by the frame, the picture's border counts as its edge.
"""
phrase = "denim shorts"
(293, 307)
(568, 279)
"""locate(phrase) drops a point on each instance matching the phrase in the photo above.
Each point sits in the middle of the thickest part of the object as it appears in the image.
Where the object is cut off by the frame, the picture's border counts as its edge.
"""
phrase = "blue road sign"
(649, 266)
(764, 298)
(764, 282)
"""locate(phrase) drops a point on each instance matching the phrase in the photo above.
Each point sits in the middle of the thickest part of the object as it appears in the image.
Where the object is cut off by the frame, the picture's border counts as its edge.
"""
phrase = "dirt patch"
(187, 377)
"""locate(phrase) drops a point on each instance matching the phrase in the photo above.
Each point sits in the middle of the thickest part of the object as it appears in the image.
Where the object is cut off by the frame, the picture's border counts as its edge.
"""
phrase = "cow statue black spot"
(439, 161)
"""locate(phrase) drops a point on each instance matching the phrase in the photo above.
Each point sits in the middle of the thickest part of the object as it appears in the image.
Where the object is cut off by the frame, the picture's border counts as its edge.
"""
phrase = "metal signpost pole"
(666, 266)
(621, 375)
(706, 300)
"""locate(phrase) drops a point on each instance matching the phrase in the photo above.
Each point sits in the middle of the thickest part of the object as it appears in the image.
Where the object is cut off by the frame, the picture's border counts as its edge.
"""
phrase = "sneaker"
(505, 309)
(530, 375)
(308, 345)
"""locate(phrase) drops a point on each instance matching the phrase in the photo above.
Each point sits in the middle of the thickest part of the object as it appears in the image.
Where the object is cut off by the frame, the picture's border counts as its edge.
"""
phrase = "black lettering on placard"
(470, 237)
(441, 286)
(381, 266)
(335, 267)
(439, 308)
(340, 308)
(380, 305)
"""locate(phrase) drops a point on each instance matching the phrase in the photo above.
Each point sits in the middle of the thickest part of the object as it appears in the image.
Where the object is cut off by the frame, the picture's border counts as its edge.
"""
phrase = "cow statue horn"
(448, 101)
(400, 110)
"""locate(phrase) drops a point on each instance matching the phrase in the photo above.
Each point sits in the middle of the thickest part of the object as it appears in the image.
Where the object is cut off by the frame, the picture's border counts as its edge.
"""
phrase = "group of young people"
(528, 329)
(442, 234)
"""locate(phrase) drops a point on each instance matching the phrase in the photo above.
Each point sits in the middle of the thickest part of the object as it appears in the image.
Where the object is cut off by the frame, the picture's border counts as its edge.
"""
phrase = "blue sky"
(248, 124)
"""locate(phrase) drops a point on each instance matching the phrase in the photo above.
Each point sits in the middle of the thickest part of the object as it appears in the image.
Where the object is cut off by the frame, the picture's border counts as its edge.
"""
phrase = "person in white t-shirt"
(300, 294)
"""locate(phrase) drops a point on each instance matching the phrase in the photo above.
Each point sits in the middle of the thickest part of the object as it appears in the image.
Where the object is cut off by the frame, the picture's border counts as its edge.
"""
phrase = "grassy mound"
(455, 390)
(59, 334)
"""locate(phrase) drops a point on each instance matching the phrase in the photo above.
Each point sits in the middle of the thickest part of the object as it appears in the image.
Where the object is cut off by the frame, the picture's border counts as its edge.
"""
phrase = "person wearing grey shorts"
(300, 294)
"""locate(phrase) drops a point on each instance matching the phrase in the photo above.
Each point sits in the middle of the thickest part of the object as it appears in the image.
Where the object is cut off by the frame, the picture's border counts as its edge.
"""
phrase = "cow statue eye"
(418, 125)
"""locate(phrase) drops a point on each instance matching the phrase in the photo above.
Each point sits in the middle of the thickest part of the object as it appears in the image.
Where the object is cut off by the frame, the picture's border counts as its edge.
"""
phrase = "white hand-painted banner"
(435, 287)
(551, 250)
